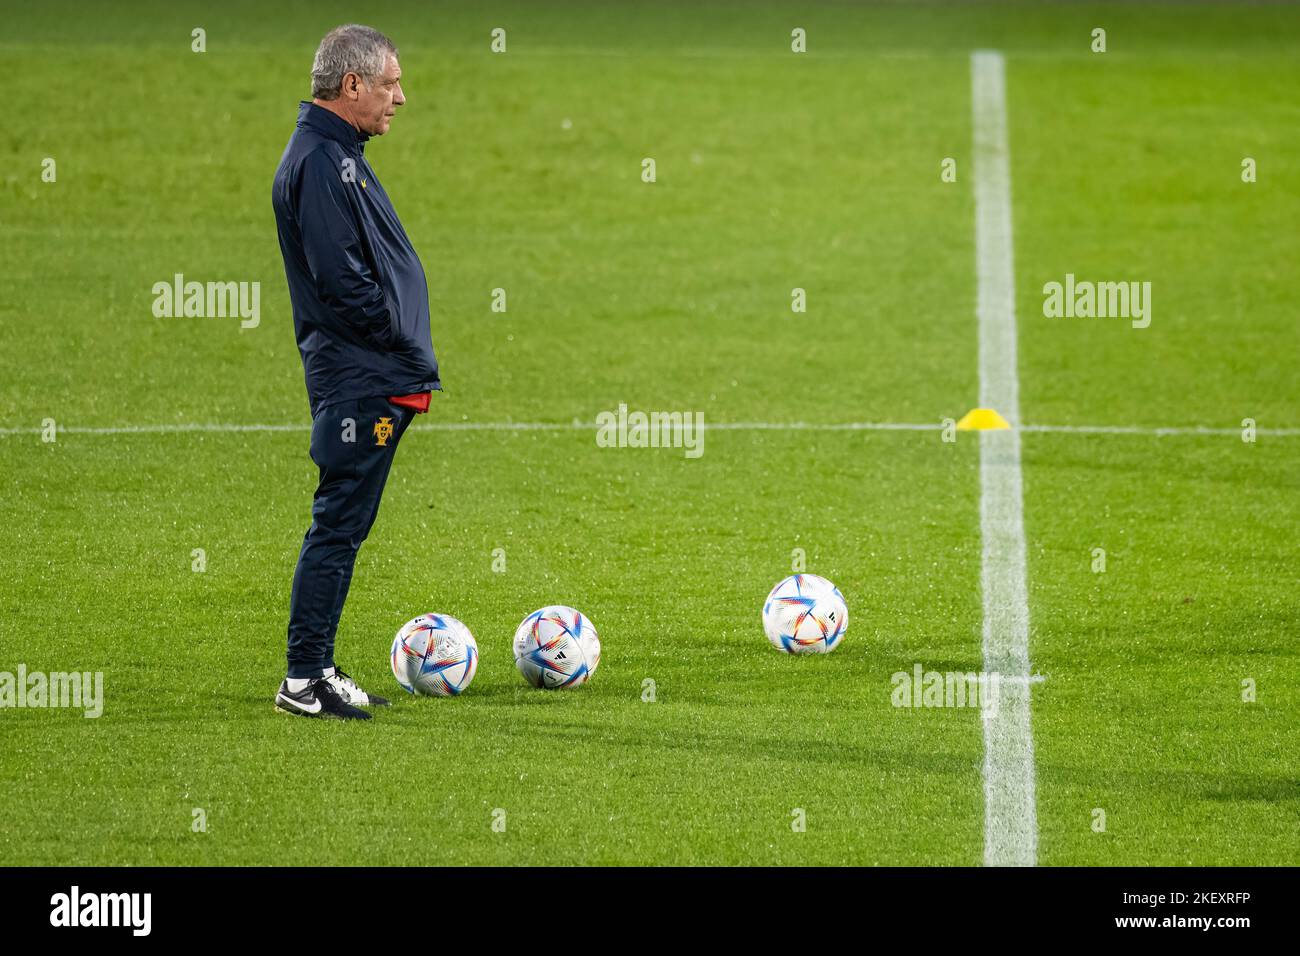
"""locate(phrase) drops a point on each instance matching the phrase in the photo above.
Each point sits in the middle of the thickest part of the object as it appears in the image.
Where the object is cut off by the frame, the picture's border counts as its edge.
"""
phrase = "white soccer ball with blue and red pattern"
(557, 647)
(434, 655)
(805, 614)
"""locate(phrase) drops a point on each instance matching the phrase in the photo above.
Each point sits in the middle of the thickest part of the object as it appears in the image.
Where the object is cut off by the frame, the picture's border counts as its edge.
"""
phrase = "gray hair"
(351, 48)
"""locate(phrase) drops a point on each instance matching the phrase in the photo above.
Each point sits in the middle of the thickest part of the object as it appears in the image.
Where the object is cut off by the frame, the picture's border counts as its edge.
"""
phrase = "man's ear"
(351, 86)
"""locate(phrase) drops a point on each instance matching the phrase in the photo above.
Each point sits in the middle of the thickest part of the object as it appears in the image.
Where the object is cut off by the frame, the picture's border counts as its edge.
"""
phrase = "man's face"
(378, 99)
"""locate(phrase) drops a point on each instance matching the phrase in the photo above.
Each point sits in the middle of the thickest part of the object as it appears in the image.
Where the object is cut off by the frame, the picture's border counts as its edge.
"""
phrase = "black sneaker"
(347, 689)
(317, 699)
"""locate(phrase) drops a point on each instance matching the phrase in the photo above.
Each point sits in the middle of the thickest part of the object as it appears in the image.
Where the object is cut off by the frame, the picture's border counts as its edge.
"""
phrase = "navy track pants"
(352, 443)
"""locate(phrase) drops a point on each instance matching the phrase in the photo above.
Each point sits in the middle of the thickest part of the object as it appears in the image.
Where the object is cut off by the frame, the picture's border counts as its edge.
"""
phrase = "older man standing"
(361, 317)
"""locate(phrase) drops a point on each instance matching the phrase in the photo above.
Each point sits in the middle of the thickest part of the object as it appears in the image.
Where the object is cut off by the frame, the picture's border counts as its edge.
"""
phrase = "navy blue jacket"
(360, 302)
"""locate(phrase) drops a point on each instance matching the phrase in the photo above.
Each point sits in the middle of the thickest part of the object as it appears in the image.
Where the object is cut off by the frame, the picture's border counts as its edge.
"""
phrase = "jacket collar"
(329, 124)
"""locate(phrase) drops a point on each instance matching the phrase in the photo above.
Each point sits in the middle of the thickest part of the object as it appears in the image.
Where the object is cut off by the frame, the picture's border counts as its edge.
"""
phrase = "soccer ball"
(805, 614)
(435, 656)
(556, 647)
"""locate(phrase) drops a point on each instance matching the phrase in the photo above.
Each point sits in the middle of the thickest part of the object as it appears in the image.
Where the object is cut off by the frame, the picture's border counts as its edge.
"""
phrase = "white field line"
(218, 427)
(1158, 431)
(477, 426)
(1010, 814)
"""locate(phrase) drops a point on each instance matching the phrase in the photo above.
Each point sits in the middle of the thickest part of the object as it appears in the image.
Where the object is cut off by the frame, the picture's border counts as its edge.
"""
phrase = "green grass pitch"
(774, 171)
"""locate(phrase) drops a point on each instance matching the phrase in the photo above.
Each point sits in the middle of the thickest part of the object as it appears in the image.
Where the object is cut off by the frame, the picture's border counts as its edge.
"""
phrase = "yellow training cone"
(982, 420)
